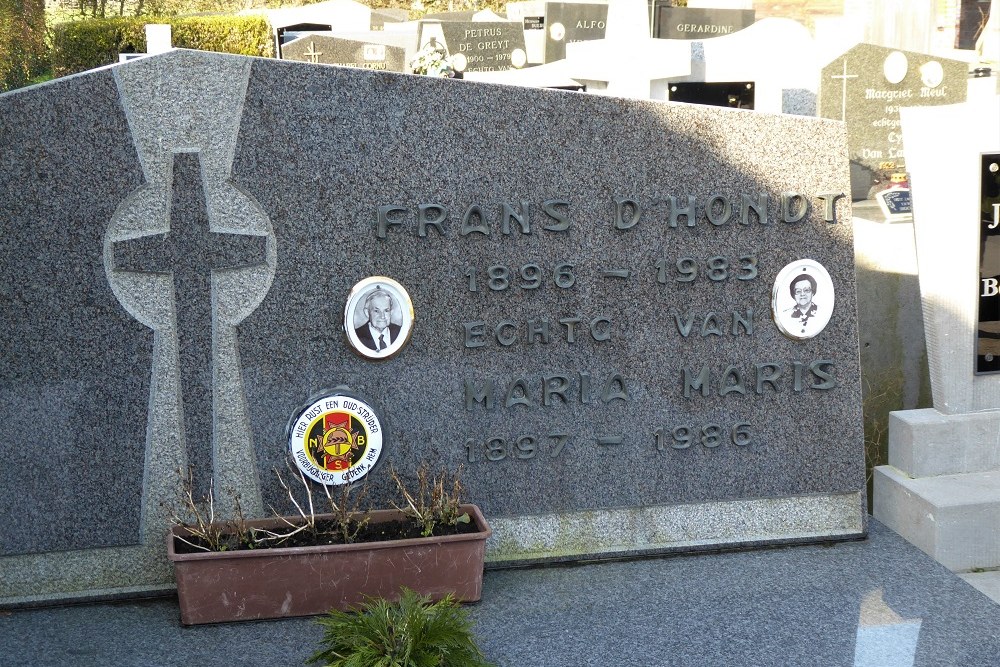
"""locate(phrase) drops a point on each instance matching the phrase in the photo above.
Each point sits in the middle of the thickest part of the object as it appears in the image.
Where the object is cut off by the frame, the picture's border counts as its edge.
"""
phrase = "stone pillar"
(941, 489)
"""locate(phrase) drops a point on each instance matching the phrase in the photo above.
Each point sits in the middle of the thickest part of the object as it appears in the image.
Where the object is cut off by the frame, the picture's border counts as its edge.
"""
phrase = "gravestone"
(481, 46)
(768, 66)
(866, 87)
(941, 487)
(670, 22)
(639, 336)
(330, 50)
(627, 62)
(572, 22)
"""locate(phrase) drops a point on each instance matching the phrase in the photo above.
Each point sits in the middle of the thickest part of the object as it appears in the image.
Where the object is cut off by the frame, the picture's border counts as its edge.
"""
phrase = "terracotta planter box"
(215, 587)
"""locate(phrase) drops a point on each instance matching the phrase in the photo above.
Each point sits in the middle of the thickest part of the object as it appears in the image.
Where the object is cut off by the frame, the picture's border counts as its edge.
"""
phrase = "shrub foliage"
(22, 41)
(83, 45)
(413, 632)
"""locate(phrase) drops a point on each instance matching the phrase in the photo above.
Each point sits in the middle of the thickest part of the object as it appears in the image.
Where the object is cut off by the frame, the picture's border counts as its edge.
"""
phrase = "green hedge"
(22, 41)
(83, 45)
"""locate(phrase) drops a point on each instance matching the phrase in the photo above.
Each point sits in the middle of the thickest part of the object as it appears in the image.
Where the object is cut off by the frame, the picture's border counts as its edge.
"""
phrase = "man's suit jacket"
(364, 334)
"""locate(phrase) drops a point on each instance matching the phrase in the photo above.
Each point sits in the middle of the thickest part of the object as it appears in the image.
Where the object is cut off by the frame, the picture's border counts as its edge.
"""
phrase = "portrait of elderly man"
(379, 331)
(803, 318)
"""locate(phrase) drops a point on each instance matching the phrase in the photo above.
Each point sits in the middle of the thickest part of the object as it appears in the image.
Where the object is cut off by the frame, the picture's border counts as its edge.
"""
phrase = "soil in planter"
(327, 533)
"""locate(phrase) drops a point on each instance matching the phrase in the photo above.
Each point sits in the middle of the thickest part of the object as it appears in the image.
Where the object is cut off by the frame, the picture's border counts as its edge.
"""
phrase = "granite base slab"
(878, 601)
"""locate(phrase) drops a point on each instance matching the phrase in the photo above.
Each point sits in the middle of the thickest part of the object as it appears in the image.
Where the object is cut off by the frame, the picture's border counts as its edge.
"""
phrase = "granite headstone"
(866, 86)
(571, 22)
(484, 46)
(612, 333)
(331, 50)
(670, 22)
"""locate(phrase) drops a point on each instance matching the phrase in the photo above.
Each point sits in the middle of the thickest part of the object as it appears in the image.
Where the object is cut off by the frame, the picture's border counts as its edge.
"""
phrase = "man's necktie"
(381, 342)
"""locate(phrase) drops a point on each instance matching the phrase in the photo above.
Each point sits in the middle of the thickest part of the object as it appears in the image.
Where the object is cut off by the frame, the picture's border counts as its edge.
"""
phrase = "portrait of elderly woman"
(807, 308)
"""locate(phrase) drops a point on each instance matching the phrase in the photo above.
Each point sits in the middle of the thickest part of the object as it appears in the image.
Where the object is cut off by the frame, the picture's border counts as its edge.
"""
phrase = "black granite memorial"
(988, 331)
(670, 22)
(639, 336)
(732, 94)
(865, 87)
(329, 50)
(569, 22)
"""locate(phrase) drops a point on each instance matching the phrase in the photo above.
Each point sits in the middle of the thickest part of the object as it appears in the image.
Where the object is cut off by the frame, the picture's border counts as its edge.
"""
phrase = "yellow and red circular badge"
(337, 439)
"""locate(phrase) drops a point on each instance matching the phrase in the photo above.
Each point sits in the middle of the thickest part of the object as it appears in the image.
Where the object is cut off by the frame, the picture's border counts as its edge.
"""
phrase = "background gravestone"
(485, 46)
(865, 88)
(569, 22)
(329, 50)
(592, 341)
(671, 22)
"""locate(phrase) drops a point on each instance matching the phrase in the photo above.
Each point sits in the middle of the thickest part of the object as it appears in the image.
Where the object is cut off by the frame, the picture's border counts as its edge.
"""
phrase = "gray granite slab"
(606, 371)
(362, 142)
(878, 602)
(74, 365)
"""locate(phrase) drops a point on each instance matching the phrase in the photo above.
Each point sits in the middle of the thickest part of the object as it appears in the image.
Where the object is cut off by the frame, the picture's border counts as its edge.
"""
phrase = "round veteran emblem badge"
(337, 439)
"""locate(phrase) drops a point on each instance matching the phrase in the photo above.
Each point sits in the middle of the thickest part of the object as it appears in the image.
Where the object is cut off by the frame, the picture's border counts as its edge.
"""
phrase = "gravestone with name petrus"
(570, 22)
(332, 50)
(866, 86)
(484, 46)
(670, 22)
(591, 337)
(940, 487)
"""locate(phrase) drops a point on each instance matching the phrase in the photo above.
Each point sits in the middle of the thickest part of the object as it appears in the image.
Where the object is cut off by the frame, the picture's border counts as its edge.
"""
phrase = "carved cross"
(190, 252)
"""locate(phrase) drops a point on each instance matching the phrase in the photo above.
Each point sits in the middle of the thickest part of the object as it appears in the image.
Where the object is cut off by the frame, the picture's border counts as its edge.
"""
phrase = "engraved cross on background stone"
(843, 90)
(190, 252)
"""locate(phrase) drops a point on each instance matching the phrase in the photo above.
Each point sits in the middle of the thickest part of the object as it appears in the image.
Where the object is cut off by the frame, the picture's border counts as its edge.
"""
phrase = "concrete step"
(955, 519)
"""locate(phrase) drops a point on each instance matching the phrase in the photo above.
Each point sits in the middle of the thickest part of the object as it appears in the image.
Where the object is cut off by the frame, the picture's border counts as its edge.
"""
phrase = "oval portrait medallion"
(337, 439)
(378, 317)
(802, 299)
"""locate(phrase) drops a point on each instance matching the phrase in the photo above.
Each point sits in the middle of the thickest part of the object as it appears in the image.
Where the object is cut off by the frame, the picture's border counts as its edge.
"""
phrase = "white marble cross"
(628, 60)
